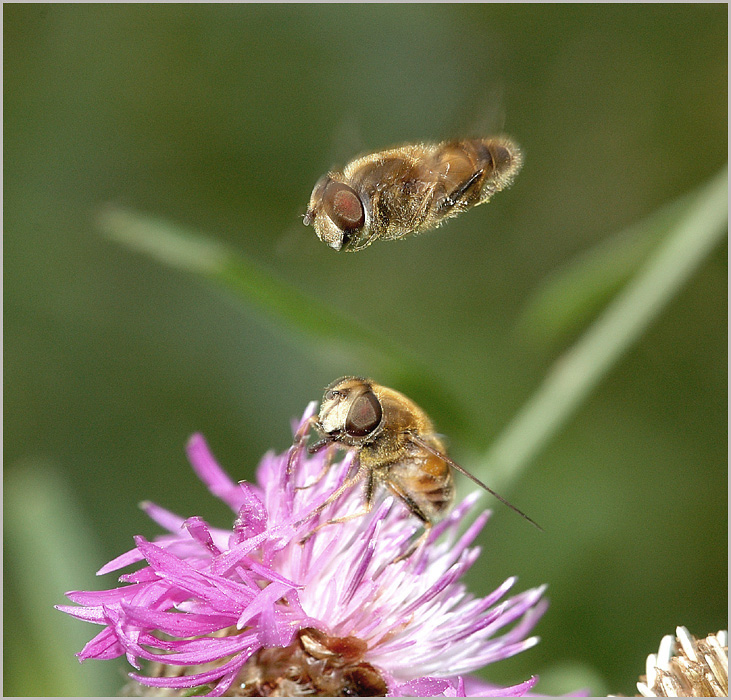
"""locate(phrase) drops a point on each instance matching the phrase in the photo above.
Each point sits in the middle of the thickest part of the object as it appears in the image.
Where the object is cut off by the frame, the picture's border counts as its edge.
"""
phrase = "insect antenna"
(425, 445)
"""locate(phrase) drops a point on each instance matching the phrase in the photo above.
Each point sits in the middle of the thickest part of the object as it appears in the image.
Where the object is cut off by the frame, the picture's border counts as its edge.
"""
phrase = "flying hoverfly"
(394, 193)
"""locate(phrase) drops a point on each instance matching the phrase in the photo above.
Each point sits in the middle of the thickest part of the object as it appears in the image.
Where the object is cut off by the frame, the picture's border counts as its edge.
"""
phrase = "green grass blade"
(330, 334)
(702, 226)
(49, 550)
(277, 299)
(572, 295)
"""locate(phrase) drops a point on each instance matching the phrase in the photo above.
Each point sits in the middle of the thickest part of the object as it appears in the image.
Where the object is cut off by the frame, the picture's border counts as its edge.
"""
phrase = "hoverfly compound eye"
(343, 206)
(364, 415)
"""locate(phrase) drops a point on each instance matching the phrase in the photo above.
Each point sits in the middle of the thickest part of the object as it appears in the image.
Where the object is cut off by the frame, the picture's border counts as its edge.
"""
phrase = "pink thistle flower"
(270, 607)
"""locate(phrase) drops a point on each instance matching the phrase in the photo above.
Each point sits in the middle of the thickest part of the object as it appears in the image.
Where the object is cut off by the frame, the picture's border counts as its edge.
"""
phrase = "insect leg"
(313, 449)
(325, 469)
(451, 199)
(342, 519)
(300, 438)
(418, 512)
(348, 483)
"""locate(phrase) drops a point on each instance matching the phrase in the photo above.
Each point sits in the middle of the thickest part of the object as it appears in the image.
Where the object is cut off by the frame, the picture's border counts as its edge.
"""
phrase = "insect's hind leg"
(419, 513)
(456, 195)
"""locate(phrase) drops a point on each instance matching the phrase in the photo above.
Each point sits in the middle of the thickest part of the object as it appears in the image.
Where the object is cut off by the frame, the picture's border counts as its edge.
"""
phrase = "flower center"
(314, 665)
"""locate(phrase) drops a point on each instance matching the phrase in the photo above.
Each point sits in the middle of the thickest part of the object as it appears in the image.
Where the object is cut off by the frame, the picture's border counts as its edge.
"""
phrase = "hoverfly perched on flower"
(396, 447)
(391, 194)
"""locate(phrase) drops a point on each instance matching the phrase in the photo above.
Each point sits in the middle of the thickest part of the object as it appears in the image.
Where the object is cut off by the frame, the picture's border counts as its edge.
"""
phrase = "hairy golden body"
(396, 447)
(421, 479)
(390, 194)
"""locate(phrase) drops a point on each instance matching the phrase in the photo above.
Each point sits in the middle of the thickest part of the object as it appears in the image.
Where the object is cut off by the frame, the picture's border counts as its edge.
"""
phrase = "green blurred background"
(221, 118)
